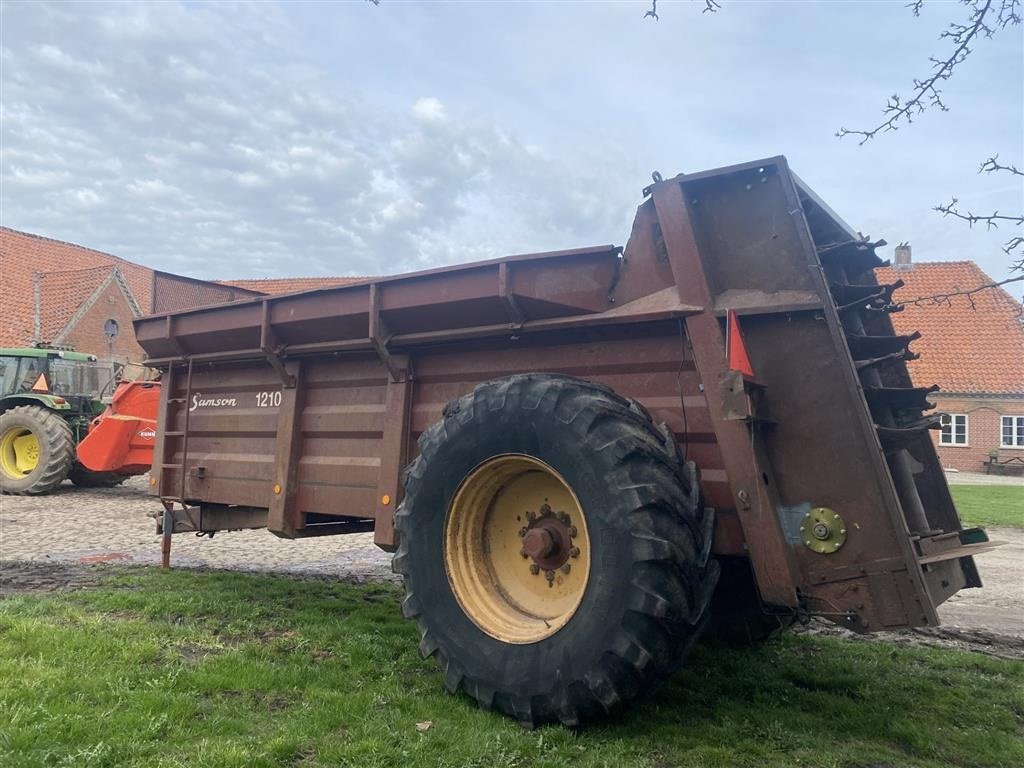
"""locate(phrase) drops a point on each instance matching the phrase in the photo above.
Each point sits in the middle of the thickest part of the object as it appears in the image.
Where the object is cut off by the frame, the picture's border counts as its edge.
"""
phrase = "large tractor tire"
(86, 478)
(36, 450)
(555, 553)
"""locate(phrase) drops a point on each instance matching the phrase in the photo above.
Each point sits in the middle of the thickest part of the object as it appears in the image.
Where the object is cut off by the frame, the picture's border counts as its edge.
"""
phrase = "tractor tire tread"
(672, 572)
(59, 455)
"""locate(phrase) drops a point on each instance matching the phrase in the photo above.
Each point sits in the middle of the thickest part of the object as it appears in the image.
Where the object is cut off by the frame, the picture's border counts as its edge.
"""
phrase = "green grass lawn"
(990, 504)
(200, 669)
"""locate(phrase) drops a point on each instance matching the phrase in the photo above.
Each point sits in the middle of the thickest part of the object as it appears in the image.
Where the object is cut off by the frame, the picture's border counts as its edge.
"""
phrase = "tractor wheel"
(86, 478)
(737, 617)
(36, 450)
(555, 553)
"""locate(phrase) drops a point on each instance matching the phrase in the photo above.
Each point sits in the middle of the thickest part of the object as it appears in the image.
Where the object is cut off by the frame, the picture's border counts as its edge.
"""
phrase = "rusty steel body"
(363, 369)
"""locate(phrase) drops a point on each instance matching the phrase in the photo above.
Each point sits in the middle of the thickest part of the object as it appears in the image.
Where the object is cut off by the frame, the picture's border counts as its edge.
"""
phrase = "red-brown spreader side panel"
(233, 436)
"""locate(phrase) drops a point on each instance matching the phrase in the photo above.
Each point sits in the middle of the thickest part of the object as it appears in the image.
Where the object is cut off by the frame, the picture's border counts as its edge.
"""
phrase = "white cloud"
(275, 139)
(85, 198)
(54, 57)
(429, 110)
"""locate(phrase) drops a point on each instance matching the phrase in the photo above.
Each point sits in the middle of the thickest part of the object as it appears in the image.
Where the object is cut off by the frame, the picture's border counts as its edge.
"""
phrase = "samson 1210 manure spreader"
(585, 459)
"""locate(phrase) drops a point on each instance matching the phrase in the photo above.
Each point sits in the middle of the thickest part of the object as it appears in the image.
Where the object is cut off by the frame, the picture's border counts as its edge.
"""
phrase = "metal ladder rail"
(165, 491)
(184, 435)
(168, 503)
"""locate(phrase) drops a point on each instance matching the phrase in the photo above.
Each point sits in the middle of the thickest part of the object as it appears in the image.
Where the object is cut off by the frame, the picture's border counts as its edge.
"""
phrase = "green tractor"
(48, 398)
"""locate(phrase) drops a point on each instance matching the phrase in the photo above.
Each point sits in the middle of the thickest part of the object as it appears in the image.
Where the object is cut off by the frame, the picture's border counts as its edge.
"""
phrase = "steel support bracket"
(515, 313)
(271, 349)
(380, 335)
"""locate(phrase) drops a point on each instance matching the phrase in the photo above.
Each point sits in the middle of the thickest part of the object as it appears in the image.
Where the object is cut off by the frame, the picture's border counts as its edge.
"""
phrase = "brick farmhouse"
(59, 294)
(973, 348)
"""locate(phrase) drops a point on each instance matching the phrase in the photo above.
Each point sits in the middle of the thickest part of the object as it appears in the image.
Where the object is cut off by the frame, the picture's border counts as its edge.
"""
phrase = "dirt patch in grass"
(994, 644)
(18, 577)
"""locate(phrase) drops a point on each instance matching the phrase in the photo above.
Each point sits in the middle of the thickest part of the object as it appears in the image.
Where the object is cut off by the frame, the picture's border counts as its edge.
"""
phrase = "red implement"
(121, 438)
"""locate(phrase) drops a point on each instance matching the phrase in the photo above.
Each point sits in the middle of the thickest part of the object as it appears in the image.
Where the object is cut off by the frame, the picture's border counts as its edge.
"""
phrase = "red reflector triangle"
(735, 349)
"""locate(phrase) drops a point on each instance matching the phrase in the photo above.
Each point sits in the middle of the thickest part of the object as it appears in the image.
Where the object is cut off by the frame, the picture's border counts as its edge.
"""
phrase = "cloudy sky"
(262, 140)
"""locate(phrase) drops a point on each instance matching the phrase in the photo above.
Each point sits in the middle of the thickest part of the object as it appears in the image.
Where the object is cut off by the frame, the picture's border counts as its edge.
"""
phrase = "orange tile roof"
(23, 254)
(968, 344)
(276, 285)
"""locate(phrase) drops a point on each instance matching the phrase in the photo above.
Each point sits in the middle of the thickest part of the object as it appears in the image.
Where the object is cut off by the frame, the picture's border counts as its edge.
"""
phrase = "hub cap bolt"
(566, 568)
(550, 576)
(574, 552)
(572, 531)
(531, 516)
(545, 510)
(522, 531)
(538, 543)
(524, 553)
(534, 569)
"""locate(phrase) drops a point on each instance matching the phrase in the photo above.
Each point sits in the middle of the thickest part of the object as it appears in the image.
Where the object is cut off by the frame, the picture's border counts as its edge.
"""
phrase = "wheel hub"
(19, 452)
(512, 571)
(548, 541)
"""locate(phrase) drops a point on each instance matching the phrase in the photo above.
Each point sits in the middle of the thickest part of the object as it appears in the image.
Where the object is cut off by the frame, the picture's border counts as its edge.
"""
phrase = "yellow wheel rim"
(19, 452)
(516, 549)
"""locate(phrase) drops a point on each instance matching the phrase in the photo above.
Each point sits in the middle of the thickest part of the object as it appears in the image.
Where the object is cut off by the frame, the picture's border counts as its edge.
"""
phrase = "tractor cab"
(59, 379)
(48, 401)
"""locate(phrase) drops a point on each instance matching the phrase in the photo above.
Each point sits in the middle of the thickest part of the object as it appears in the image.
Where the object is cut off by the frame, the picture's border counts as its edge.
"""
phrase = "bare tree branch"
(926, 93)
(992, 165)
(939, 299)
(710, 6)
(991, 221)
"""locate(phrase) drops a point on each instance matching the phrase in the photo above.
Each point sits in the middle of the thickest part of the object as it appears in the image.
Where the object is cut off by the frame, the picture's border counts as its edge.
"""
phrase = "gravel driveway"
(115, 525)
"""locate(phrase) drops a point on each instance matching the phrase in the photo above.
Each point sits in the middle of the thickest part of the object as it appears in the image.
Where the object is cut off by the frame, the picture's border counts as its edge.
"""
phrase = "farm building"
(68, 296)
(972, 346)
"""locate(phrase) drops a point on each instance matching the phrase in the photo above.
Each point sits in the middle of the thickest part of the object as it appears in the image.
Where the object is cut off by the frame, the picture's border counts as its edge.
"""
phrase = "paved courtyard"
(116, 525)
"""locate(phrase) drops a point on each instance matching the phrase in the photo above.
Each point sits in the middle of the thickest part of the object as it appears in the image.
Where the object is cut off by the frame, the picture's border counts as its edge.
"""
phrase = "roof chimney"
(902, 257)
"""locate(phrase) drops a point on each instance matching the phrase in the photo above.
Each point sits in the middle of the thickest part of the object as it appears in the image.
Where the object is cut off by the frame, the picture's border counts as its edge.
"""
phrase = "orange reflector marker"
(277, 488)
(385, 499)
(41, 385)
(152, 481)
(735, 349)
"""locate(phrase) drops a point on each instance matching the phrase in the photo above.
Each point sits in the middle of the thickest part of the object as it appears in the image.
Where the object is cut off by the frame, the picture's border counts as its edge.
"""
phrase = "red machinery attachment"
(121, 439)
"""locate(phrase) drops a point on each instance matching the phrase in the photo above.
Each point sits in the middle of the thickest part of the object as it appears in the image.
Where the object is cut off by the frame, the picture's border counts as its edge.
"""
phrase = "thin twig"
(992, 165)
(991, 221)
(937, 299)
(710, 6)
(926, 92)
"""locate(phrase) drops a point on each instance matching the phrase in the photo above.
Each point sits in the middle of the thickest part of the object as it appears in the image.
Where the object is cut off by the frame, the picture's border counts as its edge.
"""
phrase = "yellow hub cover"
(19, 452)
(823, 530)
(516, 549)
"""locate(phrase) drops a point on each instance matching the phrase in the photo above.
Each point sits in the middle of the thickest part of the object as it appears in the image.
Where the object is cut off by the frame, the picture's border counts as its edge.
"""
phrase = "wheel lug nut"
(523, 553)
(531, 516)
(545, 509)
(534, 569)
(574, 552)
(572, 531)
(550, 576)
(566, 568)
(522, 531)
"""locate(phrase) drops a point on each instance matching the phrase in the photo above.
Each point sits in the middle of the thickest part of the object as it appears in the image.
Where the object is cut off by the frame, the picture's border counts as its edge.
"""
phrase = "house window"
(954, 429)
(1012, 432)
